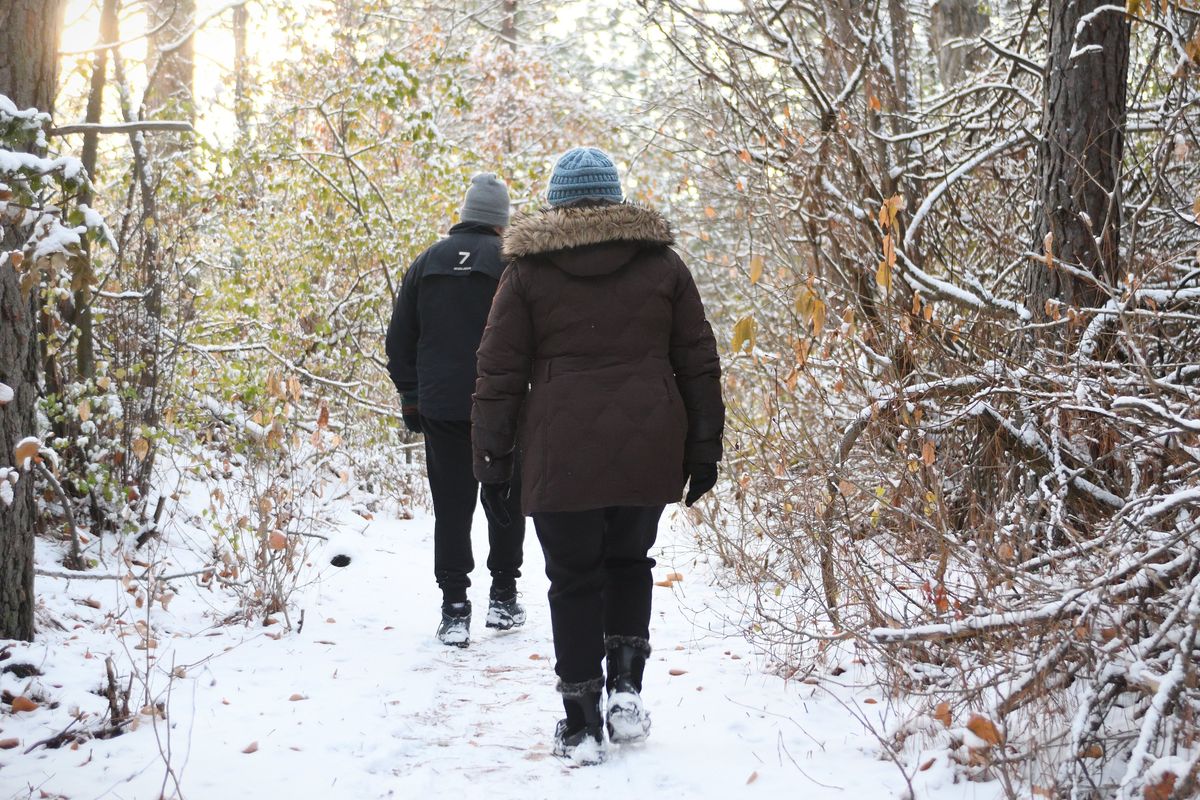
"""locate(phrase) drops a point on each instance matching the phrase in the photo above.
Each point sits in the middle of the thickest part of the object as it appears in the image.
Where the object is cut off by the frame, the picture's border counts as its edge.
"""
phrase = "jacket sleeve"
(697, 368)
(505, 363)
(404, 331)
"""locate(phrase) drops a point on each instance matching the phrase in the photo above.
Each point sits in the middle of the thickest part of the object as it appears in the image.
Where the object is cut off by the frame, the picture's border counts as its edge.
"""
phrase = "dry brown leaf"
(1092, 751)
(1162, 789)
(323, 416)
(9, 744)
(984, 728)
(297, 696)
(674, 576)
(23, 703)
(84, 409)
(870, 701)
(141, 447)
(928, 764)
(251, 748)
(666, 584)
(942, 713)
(27, 448)
(677, 672)
(753, 777)
(276, 541)
(928, 453)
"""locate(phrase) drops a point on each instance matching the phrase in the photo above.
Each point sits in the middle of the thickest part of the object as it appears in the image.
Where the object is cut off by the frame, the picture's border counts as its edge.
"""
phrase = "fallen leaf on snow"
(251, 748)
(870, 701)
(942, 713)
(535, 657)
(677, 672)
(984, 728)
(674, 576)
(9, 744)
(298, 696)
(928, 764)
(666, 584)
(23, 703)
(753, 777)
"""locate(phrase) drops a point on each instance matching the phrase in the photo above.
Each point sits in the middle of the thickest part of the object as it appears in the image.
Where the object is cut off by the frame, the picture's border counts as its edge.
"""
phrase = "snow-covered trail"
(389, 712)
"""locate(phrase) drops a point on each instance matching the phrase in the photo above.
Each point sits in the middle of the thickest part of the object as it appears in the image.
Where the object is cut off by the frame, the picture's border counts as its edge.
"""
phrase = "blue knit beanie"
(584, 173)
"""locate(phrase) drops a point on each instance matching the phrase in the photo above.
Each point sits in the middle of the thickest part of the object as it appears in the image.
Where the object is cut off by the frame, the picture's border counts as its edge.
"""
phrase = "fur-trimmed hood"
(549, 230)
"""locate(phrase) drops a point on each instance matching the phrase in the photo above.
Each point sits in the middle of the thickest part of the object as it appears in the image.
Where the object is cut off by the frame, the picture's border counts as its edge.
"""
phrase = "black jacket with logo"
(439, 317)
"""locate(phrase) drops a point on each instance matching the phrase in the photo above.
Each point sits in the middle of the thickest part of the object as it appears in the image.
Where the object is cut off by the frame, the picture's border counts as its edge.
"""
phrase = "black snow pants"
(455, 490)
(600, 581)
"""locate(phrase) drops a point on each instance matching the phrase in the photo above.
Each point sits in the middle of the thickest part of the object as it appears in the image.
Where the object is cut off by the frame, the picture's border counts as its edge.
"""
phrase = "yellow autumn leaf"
(84, 409)
(756, 269)
(818, 316)
(743, 334)
(889, 210)
(883, 276)
(141, 447)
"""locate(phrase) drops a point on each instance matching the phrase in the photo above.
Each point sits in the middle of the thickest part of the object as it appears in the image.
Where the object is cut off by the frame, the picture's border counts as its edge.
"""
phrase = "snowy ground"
(364, 703)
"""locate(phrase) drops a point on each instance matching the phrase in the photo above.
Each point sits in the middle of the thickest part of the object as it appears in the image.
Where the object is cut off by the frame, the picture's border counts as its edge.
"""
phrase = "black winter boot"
(580, 737)
(504, 612)
(628, 720)
(455, 629)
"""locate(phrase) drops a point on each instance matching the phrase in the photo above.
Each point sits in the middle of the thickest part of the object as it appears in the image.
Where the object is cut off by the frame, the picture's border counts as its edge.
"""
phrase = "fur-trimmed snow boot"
(628, 721)
(580, 737)
(455, 629)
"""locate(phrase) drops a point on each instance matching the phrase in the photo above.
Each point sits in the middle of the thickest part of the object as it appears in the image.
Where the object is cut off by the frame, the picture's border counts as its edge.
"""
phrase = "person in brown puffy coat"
(598, 364)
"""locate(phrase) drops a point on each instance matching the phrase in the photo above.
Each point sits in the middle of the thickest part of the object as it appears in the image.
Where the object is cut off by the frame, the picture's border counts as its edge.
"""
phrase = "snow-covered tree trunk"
(1083, 134)
(29, 32)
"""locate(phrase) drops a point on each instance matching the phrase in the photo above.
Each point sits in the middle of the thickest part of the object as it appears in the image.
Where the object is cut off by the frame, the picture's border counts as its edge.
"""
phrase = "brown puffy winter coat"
(597, 350)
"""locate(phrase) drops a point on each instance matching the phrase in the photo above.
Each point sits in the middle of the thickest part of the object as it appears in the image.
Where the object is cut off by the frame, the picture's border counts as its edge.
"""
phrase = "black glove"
(701, 478)
(409, 411)
(494, 497)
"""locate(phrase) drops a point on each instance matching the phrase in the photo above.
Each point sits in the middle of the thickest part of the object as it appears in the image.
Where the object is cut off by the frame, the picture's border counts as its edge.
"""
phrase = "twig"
(75, 560)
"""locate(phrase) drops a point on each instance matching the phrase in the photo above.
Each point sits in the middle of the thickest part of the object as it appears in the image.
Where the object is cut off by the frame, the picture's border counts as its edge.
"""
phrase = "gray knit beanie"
(486, 202)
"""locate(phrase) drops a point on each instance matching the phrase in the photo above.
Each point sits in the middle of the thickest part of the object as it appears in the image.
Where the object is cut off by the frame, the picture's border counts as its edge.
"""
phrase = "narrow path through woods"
(386, 711)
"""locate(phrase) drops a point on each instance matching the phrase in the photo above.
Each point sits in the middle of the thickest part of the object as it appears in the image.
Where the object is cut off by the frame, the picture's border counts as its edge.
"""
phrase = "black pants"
(455, 490)
(600, 581)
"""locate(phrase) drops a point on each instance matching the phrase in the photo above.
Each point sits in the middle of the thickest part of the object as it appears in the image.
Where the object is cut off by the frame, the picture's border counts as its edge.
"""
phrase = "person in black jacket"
(435, 330)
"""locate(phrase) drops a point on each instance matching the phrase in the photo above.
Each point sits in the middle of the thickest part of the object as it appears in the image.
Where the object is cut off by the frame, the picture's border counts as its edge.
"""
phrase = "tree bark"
(29, 34)
(1079, 157)
(954, 23)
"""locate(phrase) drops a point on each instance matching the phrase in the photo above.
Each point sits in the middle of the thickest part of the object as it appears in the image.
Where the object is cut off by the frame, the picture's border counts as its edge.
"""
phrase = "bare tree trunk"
(241, 64)
(1079, 157)
(29, 33)
(508, 27)
(85, 355)
(171, 65)
(954, 23)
